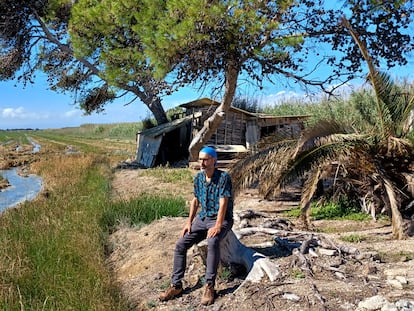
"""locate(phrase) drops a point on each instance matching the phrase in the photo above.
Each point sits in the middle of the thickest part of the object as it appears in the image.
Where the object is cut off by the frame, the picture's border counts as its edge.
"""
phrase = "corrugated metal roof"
(166, 127)
(209, 102)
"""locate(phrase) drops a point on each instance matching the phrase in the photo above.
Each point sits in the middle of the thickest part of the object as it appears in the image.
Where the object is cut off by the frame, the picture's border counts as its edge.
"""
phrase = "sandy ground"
(141, 259)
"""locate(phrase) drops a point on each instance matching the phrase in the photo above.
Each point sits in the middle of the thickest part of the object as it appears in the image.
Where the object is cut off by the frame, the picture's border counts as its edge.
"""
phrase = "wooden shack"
(241, 129)
(165, 143)
(239, 132)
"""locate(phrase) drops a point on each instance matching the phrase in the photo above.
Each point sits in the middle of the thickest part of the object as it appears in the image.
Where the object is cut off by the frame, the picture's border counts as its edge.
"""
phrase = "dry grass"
(53, 251)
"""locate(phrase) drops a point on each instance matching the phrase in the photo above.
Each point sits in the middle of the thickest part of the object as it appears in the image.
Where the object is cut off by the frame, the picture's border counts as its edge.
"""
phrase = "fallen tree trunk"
(232, 251)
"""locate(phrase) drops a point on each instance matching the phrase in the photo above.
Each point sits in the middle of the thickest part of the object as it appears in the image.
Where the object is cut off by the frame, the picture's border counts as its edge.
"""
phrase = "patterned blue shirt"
(209, 193)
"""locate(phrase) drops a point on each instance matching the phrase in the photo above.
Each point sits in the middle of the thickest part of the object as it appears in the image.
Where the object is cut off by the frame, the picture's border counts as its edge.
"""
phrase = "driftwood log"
(233, 252)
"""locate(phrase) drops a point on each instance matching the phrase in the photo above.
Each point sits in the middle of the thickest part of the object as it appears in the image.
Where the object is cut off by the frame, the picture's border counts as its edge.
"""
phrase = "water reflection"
(21, 188)
(36, 147)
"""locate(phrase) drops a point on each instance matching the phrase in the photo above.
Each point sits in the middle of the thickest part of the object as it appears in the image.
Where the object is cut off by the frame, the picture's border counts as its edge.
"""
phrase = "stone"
(372, 303)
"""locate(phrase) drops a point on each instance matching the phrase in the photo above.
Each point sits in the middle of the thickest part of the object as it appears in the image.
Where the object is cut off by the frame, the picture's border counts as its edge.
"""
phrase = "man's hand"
(186, 229)
(212, 232)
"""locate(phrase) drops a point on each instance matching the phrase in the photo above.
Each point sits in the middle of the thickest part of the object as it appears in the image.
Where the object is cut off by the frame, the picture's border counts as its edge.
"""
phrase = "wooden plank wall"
(232, 131)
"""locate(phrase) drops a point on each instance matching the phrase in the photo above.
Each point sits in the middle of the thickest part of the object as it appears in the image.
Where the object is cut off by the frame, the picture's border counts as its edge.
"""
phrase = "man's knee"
(180, 247)
(213, 243)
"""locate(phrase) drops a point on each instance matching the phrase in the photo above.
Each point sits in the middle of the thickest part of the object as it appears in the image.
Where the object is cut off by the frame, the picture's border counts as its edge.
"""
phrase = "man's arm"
(193, 212)
(220, 218)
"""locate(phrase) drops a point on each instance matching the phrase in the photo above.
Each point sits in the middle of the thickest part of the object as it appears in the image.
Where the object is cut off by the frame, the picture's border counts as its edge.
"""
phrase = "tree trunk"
(155, 106)
(213, 122)
(232, 251)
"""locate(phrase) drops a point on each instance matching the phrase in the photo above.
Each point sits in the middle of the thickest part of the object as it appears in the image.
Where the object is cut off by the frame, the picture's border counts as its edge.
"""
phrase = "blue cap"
(210, 151)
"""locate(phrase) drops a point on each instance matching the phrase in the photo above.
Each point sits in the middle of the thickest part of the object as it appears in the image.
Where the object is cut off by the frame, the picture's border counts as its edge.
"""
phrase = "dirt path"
(141, 260)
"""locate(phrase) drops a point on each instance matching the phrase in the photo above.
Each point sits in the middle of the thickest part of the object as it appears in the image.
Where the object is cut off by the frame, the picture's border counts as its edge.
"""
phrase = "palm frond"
(397, 148)
(309, 188)
(314, 135)
(325, 142)
(254, 167)
(396, 104)
(393, 106)
(275, 167)
(397, 222)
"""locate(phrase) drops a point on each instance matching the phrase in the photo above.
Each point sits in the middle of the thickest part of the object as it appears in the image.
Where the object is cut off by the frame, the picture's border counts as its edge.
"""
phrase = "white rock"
(340, 275)
(312, 253)
(327, 252)
(402, 303)
(395, 284)
(401, 279)
(389, 307)
(373, 303)
(290, 296)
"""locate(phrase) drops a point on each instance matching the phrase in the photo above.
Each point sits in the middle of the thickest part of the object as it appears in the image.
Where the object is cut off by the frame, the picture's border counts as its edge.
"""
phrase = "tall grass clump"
(124, 130)
(348, 109)
(53, 248)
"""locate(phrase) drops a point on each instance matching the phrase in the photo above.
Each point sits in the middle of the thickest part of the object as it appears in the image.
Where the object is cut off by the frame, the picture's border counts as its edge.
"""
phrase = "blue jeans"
(198, 233)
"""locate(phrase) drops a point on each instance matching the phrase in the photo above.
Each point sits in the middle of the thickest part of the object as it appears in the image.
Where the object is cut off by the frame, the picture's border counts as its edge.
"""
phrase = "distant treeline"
(21, 129)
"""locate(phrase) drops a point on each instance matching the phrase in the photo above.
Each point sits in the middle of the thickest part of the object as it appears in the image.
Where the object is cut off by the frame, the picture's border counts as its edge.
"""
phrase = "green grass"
(84, 137)
(296, 274)
(353, 238)
(332, 211)
(225, 274)
(143, 209)
(79, 144)
(122, 131)
(338, 211)
(169, 175)
(54, 248)
(14, 137)
(53, 251)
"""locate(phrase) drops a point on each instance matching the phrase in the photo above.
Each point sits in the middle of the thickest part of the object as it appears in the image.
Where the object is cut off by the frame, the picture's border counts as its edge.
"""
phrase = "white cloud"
(72, 113)
(21, 113)
(12, 112)
(280, 97)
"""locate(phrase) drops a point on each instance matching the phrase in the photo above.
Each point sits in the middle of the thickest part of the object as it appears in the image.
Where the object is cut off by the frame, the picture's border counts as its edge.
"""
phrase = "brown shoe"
(171, 293)
(208, 296)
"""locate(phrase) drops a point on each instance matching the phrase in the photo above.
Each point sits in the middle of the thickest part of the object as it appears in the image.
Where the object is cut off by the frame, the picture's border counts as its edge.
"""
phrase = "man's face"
(207, 162)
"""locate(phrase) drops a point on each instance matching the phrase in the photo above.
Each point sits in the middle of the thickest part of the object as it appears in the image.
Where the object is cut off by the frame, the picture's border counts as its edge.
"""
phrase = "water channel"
(22, 188)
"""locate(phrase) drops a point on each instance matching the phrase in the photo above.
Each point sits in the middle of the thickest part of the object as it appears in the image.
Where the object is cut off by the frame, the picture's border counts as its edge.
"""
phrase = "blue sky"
(34, 106)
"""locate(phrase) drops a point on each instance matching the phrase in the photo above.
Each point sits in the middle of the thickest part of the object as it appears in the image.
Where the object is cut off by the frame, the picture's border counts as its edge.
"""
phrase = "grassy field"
(53, 248)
